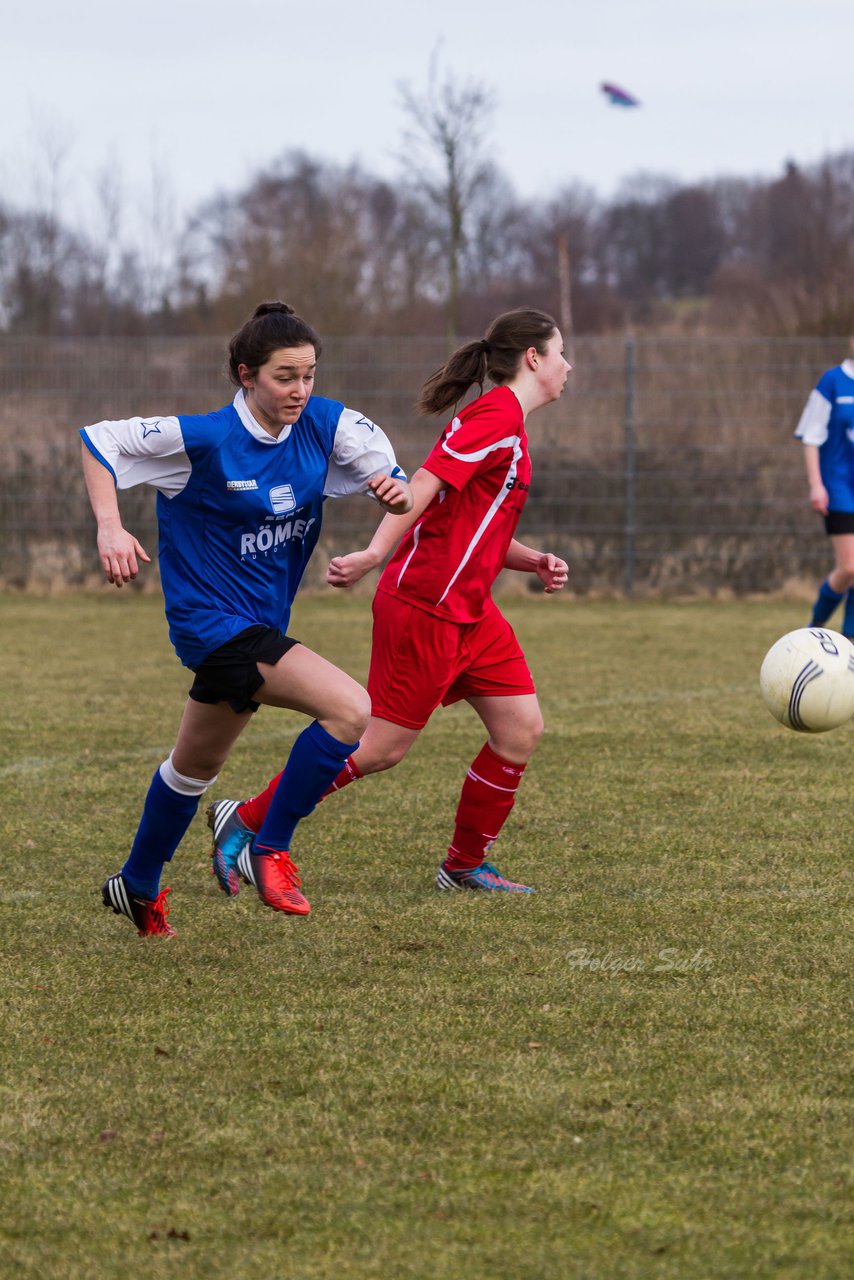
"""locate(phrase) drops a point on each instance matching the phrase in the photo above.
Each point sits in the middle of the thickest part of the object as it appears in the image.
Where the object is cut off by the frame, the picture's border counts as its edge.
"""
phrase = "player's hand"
(819, 500)
(120, 554)
(345, 571)
(394, 495)
(552, 573)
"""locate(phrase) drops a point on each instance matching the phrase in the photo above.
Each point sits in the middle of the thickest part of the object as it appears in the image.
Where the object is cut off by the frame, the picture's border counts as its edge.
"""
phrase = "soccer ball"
(807, 680)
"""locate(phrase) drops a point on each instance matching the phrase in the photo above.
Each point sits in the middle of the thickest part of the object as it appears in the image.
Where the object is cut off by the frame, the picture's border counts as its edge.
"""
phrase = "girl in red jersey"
(438, 635)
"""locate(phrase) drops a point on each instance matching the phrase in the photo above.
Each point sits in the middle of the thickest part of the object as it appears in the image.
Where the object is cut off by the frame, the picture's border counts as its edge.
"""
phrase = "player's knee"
(351, 716)
(535, 729)
(519, 741)
(390, 755)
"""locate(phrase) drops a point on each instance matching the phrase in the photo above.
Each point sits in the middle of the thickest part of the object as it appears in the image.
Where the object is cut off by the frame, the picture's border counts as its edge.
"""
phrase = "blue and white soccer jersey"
(828, 422)
(239, 510)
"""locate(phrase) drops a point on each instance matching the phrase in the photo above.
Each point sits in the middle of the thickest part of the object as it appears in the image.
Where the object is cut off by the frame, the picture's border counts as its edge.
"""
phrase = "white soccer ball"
(807, 680)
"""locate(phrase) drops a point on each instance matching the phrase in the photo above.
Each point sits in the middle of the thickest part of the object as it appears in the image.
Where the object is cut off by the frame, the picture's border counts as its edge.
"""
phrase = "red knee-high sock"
(488, 795)
(348, 774)
(252, 813)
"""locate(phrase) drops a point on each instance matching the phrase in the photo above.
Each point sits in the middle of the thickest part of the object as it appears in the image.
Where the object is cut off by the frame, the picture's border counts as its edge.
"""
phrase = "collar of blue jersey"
(254, 428)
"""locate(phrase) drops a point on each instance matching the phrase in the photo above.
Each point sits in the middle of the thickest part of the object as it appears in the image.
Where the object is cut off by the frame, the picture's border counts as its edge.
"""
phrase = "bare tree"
(51, 148)
(157, 239)
(562, 235)
(309, 232)
(444, 159)
(790, 268)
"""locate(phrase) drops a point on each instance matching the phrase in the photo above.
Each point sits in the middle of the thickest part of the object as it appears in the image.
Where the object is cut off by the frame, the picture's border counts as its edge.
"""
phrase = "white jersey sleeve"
(812, 428)
(142, 451)
(361, 450)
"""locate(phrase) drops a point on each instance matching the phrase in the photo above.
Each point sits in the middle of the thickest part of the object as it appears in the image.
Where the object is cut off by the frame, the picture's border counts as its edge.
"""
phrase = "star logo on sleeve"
(150, 427)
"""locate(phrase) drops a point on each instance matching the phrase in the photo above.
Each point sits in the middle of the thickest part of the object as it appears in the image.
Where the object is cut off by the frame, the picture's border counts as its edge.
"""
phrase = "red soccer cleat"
(275, 877)
(148, 916)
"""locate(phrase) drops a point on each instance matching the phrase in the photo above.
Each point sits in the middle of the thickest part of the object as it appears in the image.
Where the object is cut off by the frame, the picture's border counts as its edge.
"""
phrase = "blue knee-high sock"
(166, 815)
(848, 615)
(315, 761)
(825, 603)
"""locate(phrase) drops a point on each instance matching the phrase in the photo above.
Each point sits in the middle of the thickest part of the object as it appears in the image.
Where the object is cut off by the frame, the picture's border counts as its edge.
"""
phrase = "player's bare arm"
(120, 552)
(818, 493)
(345, 571)
(550, 569)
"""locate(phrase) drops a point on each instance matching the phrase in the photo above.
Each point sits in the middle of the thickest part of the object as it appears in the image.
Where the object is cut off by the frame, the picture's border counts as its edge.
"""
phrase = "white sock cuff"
(181, 783)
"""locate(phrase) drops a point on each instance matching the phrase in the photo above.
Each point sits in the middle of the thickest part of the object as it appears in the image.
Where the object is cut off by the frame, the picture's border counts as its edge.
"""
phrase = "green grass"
(640, 1071)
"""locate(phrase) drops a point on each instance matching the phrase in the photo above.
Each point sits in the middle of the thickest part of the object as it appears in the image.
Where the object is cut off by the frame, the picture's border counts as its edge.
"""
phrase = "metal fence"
(667, 467)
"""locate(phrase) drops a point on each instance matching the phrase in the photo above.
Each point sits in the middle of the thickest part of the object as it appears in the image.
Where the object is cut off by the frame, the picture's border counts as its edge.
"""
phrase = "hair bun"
(271, 308)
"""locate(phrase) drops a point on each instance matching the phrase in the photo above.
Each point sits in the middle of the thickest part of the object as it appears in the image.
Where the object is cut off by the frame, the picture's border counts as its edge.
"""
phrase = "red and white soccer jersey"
(447, 562)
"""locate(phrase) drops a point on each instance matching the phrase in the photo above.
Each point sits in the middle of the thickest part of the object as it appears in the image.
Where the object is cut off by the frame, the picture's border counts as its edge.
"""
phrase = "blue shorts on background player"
(240, 496)
(826, 428)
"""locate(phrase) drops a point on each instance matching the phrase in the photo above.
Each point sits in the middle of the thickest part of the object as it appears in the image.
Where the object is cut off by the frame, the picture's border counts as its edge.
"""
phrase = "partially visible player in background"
(826, 429)
(438, 636)
(239, 507)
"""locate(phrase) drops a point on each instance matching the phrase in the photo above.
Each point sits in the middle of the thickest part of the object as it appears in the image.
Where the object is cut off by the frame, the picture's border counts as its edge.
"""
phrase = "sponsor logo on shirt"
(282, 500)
(845, 399)
(270, 537)
(241, 484)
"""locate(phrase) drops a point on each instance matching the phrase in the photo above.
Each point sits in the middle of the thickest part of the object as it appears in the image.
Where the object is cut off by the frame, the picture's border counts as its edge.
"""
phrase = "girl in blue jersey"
(240, 494)
(826, 428)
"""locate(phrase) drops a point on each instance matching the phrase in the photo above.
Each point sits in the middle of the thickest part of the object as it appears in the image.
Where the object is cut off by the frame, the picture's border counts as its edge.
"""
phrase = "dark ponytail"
(497, 356)
(271, 325)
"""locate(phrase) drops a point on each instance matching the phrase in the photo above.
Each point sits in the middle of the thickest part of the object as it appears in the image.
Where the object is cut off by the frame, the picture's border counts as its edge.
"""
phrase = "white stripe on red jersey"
(450, 558)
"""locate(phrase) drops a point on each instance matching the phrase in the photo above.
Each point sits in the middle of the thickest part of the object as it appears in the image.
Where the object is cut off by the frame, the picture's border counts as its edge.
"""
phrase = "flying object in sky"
(618, 97)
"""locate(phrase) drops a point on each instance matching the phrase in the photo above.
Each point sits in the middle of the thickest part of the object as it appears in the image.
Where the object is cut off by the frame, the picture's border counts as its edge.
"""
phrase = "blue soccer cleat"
(229, 838)
(485, 877)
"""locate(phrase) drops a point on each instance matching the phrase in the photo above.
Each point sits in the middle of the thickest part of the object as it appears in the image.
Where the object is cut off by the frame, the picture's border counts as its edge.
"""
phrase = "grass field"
(641, 1071)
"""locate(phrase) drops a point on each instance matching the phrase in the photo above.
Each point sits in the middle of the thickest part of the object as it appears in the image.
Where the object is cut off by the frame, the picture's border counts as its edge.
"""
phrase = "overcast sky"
(205, 92)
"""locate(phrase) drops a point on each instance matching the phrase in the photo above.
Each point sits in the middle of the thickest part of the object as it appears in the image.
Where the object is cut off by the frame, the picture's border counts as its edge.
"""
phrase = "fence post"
(631, 477)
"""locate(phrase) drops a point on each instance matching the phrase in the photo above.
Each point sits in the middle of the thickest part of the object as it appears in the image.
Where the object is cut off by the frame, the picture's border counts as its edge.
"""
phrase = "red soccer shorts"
(419, 661)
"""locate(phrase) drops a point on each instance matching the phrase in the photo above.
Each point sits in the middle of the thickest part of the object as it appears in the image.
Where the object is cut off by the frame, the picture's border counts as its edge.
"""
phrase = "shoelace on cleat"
(279, 879)
(160, 907)
(287, 870)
